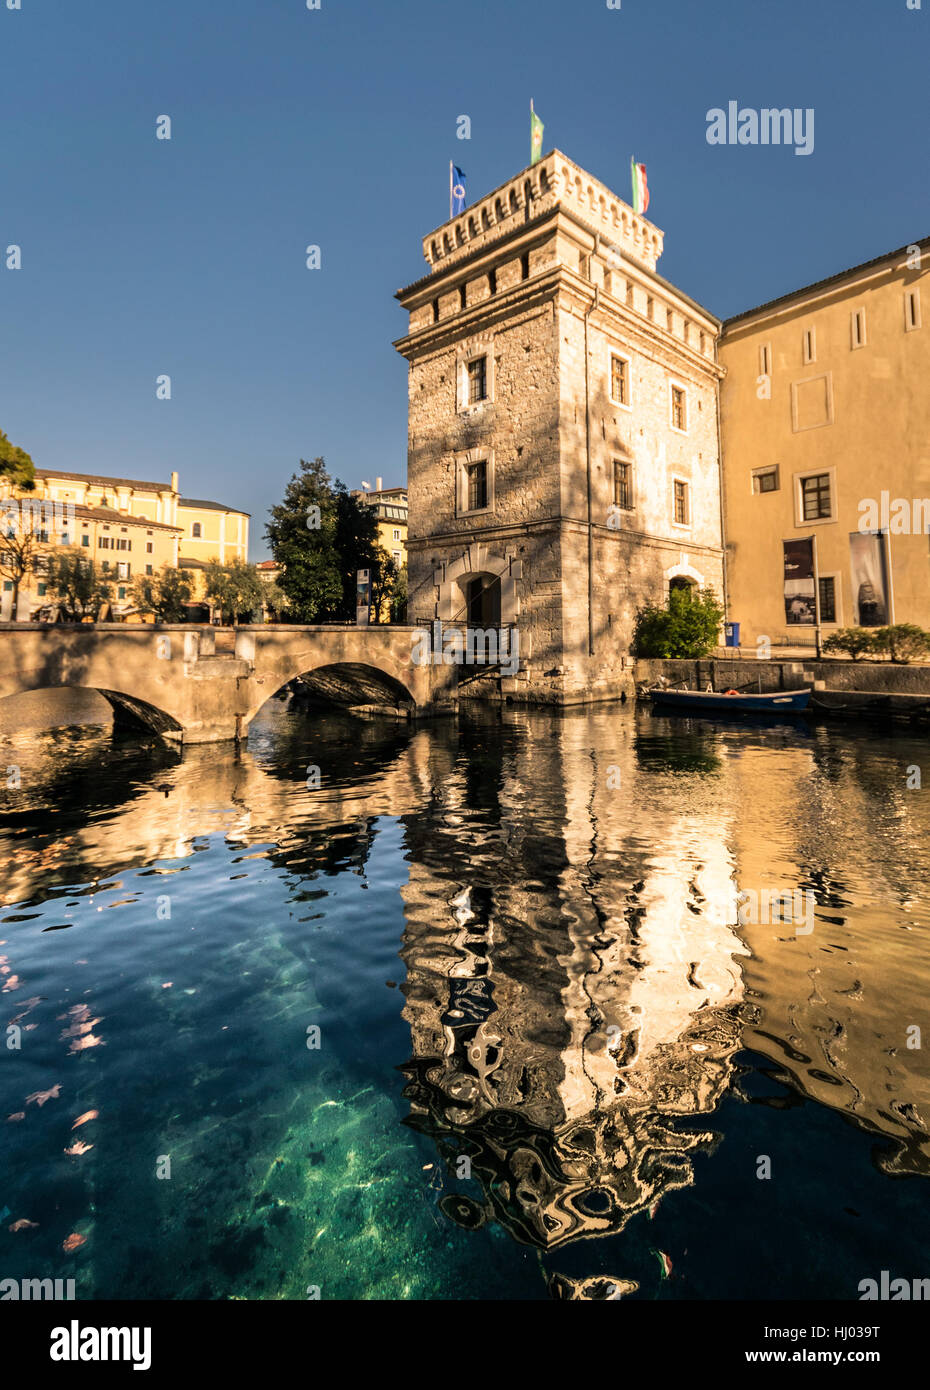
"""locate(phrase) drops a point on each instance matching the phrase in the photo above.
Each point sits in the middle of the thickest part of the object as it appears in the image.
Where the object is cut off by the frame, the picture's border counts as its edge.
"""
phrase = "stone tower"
(563, 459)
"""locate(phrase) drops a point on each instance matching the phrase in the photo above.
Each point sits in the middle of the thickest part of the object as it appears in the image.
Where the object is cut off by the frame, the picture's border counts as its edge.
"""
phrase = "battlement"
(555, 182)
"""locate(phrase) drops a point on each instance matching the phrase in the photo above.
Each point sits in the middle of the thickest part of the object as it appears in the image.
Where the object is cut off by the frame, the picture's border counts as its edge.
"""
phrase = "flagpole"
(450, 190)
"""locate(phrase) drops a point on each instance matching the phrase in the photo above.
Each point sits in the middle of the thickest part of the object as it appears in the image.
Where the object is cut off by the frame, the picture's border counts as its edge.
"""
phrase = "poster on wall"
(800, 599)
(869, 578)
(363, 598)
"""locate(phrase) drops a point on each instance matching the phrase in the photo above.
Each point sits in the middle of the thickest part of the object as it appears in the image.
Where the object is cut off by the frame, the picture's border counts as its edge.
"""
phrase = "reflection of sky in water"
(518, 940)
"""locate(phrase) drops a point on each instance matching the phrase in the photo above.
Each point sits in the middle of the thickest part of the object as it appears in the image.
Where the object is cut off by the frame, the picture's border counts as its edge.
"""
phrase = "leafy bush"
(855, 641)
(165, 594)
(79, 588)
(903, 642)
(688, 626)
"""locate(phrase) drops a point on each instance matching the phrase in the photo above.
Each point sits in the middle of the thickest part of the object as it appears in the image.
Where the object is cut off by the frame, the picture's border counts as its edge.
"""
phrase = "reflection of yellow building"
(824, 408)
(146, 524)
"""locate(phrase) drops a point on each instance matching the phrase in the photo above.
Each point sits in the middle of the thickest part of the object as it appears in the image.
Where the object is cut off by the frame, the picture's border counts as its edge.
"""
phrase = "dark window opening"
(623, 485)
(815, 497)
(766, 481)
(477, 380)
(828, 599)
(477, 478)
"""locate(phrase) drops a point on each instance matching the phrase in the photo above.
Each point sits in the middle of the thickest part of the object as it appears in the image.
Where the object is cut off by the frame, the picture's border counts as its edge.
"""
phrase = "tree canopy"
(16, 467)
(321, 536)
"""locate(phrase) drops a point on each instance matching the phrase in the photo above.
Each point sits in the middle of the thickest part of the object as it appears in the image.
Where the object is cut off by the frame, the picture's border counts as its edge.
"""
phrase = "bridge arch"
(350, 684)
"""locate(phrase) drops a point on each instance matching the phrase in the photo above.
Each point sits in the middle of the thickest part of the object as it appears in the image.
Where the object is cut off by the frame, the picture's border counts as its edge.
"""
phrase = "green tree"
(80, 589)
(16, 467)
(385, 573)
(855, 641)
(235, 588)
(903, 642)
(274, 598)
(321, 536)
(399, 597)
(19, 552)
(688, 626)
(165, 594)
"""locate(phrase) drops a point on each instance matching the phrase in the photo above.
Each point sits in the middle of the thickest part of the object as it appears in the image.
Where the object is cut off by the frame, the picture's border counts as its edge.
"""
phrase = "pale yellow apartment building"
(390, 507)
(130, 527)
(825, 423)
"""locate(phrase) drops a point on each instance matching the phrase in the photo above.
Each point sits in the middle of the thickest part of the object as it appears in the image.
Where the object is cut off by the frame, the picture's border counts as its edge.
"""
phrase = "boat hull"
(777, 702)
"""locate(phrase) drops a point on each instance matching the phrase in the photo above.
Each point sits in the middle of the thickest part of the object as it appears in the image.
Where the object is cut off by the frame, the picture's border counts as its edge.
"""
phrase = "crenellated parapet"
(555, 182)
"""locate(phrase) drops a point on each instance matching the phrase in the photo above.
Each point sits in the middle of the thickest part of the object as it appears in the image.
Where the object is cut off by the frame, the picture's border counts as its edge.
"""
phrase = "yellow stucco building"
(390, 507)
(825, 426)
(131, 527)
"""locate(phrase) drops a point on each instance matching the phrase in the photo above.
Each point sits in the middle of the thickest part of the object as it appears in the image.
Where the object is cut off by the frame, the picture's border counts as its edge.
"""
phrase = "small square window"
(765, 480)
(679, 408)
(816, 502)
(857, 328)
(619, 379)
(41, 590)
(477, 380)
(476, 476)
(911, 310)
(623, 485)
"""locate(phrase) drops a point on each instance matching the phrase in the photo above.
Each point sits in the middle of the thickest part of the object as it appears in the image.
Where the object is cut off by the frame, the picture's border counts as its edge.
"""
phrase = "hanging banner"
(800, 598)
(363, 598)
(869, 578)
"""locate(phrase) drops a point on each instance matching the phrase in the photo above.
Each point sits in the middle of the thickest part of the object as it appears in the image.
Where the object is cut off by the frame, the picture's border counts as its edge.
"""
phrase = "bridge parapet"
(179, 680)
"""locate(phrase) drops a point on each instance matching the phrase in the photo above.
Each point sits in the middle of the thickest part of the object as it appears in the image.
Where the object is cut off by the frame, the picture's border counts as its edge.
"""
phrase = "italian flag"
(640, 187)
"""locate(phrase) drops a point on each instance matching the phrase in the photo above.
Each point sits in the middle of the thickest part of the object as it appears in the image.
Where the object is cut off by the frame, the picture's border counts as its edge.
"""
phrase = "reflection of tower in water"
(570, 995)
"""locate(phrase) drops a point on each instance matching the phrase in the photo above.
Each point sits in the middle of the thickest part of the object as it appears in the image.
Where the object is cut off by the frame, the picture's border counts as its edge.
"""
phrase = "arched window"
(196, 530)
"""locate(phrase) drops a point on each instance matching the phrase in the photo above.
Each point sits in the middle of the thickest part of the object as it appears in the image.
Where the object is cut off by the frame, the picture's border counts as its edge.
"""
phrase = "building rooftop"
(101, 479)
(210, 506)
(820, 285)
(115, 518)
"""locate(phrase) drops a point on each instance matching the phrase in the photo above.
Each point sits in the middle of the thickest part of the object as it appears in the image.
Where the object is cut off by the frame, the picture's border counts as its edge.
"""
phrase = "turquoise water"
(550, 1058)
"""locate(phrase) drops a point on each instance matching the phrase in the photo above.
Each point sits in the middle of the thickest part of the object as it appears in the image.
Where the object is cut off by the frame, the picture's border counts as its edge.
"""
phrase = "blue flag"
(457, 191)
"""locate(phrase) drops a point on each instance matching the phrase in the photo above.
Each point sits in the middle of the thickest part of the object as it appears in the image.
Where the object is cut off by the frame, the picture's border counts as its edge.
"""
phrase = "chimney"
(174, 482)
(377, 484)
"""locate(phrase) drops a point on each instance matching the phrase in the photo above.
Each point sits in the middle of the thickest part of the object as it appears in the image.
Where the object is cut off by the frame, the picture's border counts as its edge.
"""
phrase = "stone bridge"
(198, 684)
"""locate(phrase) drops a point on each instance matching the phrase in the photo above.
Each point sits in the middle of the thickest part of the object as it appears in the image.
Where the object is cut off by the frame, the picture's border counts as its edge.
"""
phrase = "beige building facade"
(825, 418)
(130, 526)
(563, 461)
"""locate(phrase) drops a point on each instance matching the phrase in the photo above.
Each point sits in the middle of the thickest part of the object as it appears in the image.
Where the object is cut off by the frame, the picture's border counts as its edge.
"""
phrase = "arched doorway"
(482, 595)
(681, 584)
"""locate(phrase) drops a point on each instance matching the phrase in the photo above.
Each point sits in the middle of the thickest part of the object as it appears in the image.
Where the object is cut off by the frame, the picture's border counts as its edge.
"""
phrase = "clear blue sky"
(336, 127)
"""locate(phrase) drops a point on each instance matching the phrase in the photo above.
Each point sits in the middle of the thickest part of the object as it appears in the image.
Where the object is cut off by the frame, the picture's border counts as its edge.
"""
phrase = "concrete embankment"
(841, 689)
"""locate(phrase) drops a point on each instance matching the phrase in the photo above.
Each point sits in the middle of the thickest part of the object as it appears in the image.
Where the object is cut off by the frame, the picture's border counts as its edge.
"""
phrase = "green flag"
(536, 136)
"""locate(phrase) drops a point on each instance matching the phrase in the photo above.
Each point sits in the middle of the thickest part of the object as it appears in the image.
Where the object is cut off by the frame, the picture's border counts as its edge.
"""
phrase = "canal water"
(465, 1010)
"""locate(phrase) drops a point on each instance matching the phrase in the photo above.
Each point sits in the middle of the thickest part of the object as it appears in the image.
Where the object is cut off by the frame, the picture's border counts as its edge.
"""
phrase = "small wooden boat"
(731, 701)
